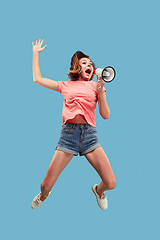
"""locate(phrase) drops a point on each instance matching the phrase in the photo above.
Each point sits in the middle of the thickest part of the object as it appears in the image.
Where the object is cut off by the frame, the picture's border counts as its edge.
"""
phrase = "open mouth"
(88, 71)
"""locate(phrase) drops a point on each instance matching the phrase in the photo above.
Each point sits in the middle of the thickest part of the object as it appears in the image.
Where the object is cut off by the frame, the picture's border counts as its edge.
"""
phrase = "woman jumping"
(78, 134)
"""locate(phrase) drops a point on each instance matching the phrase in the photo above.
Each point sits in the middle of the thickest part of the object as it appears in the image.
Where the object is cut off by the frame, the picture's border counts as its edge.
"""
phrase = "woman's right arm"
(37, 78)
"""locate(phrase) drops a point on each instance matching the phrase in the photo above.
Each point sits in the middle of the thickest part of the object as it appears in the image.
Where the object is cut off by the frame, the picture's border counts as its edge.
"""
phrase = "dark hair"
(75, 68)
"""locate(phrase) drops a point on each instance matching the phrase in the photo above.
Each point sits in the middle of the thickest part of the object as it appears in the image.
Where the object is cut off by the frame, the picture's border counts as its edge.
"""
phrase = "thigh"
(58, 163)
(99, 160)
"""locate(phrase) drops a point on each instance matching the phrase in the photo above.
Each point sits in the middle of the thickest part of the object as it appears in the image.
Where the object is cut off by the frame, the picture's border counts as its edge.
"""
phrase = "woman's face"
(87, 69)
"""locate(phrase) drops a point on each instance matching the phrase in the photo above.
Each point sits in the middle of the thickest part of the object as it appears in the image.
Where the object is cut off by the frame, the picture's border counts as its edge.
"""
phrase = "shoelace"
(37, 201)
(103, 196)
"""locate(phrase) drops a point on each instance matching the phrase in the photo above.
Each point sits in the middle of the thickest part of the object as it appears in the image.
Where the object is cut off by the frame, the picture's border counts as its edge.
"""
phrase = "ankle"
(99, 192)
(43, 197)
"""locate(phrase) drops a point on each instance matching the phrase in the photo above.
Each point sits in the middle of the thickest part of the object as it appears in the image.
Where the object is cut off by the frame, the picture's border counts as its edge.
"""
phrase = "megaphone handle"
(98, 79)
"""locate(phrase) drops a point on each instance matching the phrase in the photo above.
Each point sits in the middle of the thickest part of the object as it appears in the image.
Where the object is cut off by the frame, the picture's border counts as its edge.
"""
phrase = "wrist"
(100, 90)
(35, 53)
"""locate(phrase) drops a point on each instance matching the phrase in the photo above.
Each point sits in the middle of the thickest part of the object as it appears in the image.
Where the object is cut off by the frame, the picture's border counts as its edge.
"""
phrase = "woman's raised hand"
(100, 84)
(37, 47)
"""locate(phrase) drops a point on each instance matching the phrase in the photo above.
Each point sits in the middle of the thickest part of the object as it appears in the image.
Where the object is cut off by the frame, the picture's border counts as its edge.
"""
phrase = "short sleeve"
(60, 86)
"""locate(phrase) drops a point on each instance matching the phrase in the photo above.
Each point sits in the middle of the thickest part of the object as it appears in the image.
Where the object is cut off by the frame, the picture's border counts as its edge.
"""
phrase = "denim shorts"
(78, 138)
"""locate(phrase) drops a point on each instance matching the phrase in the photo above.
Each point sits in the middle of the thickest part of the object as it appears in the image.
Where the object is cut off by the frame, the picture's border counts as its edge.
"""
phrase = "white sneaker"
(37, 202)
(102, 201)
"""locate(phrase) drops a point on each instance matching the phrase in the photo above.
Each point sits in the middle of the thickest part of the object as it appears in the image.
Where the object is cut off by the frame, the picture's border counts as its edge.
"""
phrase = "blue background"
(122, 34)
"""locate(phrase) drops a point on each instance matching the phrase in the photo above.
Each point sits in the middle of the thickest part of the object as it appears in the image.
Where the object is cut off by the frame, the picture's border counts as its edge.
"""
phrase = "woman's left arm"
(102, 102)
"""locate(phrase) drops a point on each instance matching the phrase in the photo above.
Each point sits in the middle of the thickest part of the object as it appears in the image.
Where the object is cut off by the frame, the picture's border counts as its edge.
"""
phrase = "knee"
(111, 184)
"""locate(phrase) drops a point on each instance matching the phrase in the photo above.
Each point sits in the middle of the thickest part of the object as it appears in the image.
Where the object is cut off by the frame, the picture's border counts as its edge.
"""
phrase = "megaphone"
(107, 73)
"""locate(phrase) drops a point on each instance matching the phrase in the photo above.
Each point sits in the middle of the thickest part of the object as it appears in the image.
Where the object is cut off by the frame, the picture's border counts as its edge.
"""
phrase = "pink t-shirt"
(80, 98)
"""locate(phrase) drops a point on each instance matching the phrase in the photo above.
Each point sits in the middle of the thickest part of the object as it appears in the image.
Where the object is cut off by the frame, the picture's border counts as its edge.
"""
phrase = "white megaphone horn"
(107, 73)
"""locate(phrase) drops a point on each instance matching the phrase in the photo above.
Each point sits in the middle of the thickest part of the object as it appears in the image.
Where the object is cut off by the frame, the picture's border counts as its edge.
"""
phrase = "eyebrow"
(86, 60)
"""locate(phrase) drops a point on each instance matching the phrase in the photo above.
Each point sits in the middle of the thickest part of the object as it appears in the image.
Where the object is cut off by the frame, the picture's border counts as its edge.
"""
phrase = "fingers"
(39, 43)
(99, 78)
(44, 47)
(100, 82)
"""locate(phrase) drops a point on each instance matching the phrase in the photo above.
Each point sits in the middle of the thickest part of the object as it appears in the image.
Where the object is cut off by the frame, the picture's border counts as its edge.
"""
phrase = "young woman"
(78, 134)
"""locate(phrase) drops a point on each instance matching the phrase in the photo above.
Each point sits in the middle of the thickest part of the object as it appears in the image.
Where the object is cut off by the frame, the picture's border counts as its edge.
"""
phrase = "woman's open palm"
(37, 47)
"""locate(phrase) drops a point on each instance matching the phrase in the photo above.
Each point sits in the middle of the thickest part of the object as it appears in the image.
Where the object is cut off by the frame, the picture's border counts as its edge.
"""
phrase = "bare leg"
(58, 163)
(98, 159)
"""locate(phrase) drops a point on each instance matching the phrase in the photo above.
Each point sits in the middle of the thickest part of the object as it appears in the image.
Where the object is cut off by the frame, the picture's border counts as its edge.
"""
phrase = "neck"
(82, 79)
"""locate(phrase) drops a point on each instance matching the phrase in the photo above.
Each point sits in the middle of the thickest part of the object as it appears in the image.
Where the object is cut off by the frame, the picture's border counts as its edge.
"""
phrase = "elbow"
(35, 80)
(105, 115)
